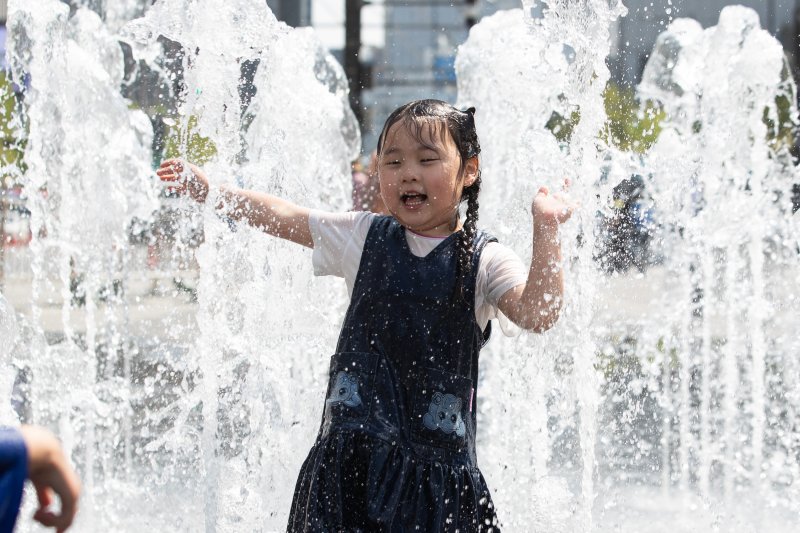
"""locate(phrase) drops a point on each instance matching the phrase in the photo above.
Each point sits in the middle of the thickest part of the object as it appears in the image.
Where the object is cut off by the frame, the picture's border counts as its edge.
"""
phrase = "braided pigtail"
(466, 240)
(469, 148)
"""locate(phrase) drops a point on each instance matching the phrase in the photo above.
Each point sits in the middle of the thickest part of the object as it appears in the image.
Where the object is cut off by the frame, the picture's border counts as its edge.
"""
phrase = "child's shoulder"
(338, 229)
(484, 240)
(341, 220)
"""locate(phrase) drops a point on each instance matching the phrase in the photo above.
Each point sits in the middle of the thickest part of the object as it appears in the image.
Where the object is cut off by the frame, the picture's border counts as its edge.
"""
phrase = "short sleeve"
(13, 471)
(499, 270)
(338, 243)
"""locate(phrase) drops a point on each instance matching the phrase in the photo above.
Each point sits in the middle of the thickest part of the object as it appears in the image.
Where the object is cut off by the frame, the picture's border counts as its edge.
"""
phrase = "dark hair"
(461, 127)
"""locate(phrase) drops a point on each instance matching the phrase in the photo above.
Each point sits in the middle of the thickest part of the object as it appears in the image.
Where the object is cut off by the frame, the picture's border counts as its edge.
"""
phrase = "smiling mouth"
(413, 199)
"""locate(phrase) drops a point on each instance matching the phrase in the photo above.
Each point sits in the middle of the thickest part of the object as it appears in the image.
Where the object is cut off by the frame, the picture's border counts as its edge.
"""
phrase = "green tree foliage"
(12, 147)
(189, 144)
(781, 121)
(632, 125)
(563, 127)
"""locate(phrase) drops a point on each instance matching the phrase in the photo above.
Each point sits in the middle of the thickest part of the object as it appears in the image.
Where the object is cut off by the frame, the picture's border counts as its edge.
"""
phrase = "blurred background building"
(294, 13)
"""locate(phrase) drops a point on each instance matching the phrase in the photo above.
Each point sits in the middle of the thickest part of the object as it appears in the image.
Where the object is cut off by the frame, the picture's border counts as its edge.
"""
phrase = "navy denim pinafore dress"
(396, 449)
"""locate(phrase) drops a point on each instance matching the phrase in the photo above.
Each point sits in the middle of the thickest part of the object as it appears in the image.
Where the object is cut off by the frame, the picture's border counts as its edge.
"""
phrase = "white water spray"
(204, 421)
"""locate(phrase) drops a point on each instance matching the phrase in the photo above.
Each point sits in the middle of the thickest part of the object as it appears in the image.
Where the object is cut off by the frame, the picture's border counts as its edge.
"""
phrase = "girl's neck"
(440, 237)
(412, 232)
(454, 226)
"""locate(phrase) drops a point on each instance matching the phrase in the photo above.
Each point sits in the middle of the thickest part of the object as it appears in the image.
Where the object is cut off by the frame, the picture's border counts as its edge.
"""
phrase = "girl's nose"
(409, 173)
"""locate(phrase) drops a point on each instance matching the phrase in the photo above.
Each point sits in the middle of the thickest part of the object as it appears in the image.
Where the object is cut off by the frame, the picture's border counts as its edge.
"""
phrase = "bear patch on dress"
(345, 390)
(444, 413)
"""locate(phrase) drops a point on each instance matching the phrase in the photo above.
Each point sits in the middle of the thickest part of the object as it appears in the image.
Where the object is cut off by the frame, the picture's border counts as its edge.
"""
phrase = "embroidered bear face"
(345, 391)
(444, 413)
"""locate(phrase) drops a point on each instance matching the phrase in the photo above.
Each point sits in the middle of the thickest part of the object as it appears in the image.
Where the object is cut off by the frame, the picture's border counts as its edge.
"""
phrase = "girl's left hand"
(552, 209)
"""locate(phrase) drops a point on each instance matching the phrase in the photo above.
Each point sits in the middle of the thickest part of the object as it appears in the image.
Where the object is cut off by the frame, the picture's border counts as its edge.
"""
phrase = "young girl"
(396, 448)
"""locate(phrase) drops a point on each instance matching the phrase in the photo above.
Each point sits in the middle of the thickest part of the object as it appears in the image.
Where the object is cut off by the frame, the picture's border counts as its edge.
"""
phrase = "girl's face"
(420, 181)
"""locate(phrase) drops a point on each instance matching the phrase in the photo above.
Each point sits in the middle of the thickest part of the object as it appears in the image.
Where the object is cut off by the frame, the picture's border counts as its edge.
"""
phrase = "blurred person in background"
(366, 189)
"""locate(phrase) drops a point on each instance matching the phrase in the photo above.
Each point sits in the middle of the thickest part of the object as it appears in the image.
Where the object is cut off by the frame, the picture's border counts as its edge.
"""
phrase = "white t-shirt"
(339, 241)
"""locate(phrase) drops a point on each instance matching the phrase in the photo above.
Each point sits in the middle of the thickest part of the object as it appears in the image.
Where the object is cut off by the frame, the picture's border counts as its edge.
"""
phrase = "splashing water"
(553, 64)
(8, 337)
(662, 397)
(259, 345)
(689, 397)
(208, 427)
(722, 174)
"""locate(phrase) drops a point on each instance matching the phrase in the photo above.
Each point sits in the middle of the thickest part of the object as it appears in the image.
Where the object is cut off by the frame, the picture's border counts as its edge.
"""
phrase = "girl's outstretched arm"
(537, 304)
(268, 213)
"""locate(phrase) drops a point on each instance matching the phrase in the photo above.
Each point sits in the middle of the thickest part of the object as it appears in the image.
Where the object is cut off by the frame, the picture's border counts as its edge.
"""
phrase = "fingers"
(50, 473)
(49, 519)
(175, 171)
(61, 480)
(556, 207)
(564, 214)
(184, 178)
(171, 170)
(45, 496)
(567, 183)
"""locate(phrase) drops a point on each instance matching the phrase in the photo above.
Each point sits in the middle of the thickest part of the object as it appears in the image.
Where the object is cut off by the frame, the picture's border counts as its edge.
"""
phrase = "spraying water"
(543, 67)
(8, 338)
(689, 389)
(722, 171)
(210, 436)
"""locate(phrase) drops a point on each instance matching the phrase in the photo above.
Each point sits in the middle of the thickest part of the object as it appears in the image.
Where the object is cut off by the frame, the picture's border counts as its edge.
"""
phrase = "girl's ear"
(471, 171)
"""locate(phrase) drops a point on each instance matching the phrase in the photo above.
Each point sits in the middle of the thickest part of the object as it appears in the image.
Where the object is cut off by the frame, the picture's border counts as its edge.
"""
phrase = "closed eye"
(430, 159)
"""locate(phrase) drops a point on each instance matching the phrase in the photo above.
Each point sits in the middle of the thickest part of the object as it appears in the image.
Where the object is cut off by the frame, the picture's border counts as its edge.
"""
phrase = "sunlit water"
(661, 401)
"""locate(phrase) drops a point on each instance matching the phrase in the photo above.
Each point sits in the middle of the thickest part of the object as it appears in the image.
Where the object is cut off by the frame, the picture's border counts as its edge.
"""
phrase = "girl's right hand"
(184, 178)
